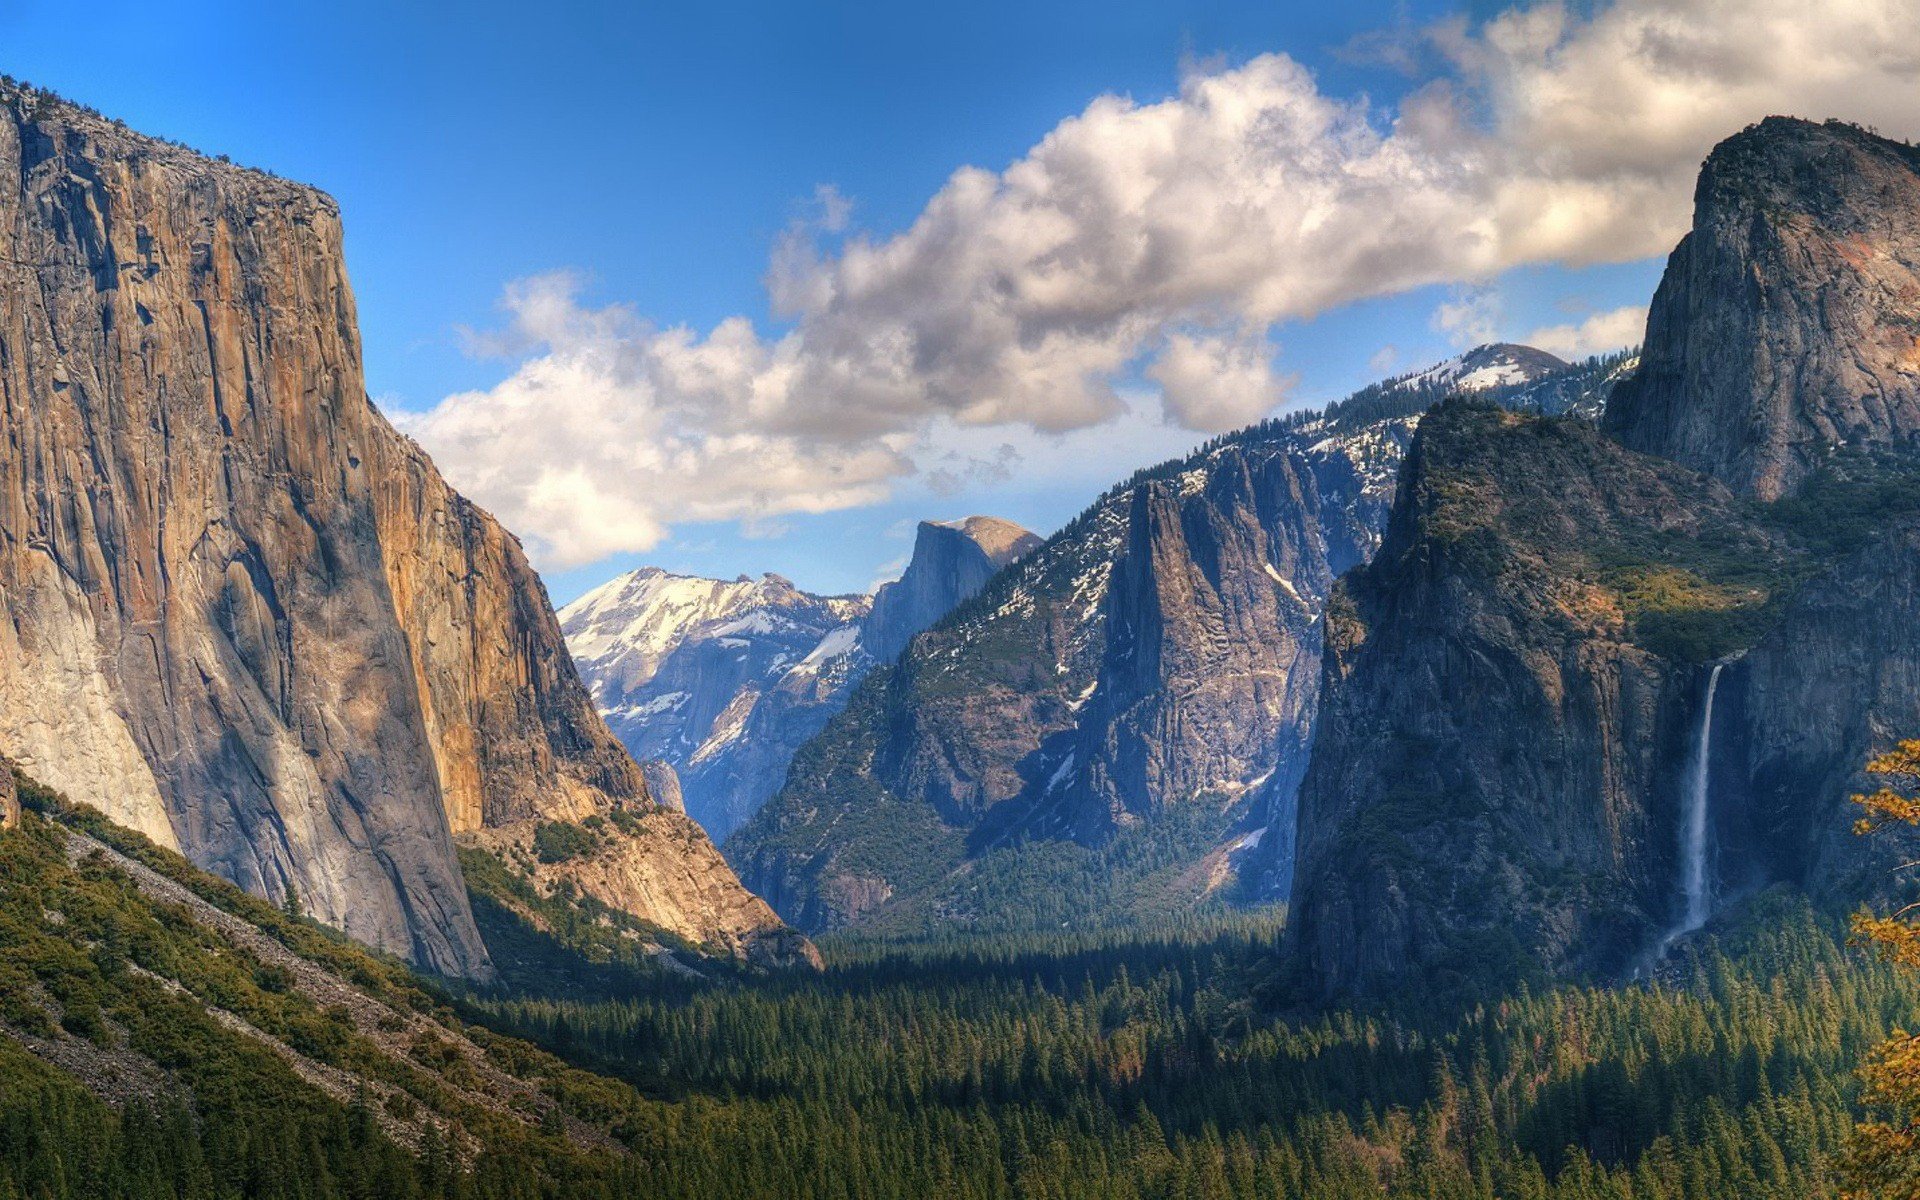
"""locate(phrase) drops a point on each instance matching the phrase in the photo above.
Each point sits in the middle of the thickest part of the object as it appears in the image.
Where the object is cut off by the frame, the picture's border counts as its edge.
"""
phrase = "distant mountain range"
(1118, 724)
(721, 681)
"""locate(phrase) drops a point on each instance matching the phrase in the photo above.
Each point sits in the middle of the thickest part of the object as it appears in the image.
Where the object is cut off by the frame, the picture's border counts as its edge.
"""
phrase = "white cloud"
(1214, 382)
(1598, 334)
(1471, 317)
(1023, 298)
(613, 430)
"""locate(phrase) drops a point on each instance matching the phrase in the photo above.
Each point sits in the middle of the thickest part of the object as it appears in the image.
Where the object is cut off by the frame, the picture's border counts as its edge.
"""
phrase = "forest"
(1162, 1063)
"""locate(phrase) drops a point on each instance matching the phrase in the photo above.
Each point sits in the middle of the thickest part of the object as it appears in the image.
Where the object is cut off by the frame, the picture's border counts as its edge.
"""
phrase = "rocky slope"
(243, 615)
(1788, 320)
(1124, 710)
(1506, 708)
(135, 977)
(723, 681)
(1517, 687)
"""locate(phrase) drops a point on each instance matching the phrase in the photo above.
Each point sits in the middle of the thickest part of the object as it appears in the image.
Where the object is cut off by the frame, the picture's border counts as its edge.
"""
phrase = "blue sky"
(660, 152)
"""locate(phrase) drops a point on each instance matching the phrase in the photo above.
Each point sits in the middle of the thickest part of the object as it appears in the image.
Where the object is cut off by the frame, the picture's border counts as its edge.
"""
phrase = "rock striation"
(1147, 678)
(724, 680)
(243, 615)
(1787, 324)
(9, 797)
(1515, 688)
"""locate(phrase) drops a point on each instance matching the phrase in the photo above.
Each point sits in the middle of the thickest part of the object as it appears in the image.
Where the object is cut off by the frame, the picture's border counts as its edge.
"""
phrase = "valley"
(1448, 793)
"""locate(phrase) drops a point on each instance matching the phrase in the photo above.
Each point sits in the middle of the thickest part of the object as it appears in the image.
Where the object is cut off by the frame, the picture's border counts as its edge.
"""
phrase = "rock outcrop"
(1516, 687)
(952, 561)
(9, 797)
(724, 680)
(663, 784)
(1509, 696)
(1147, 677)
(1788, 321)
(243, 615)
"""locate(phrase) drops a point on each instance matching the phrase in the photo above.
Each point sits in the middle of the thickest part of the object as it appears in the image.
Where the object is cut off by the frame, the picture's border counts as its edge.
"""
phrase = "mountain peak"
(1496, 364)
(1783, 326)
(951, 561)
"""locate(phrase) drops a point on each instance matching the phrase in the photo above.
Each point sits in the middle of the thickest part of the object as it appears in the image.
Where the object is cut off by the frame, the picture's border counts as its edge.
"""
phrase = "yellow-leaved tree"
(1883, 1161)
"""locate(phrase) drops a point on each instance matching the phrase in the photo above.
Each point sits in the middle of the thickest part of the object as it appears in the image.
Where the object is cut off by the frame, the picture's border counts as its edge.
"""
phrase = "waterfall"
(1693, 824)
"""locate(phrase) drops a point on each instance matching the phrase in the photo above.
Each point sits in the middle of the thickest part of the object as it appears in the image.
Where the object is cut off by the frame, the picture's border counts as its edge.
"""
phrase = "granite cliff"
(1116, 726)
(723, 681)
(1571, 643)
(243, 615)
(1787, 325)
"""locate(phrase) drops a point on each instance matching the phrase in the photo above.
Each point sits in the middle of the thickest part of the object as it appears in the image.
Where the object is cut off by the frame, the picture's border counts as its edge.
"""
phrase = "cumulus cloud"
(612, 430)
(1471, 317)
(1598, 334)
(1129, 238)
(1213, 382)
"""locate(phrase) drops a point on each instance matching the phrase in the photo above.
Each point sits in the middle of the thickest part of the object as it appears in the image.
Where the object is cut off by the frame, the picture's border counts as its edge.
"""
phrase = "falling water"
(1693, 829)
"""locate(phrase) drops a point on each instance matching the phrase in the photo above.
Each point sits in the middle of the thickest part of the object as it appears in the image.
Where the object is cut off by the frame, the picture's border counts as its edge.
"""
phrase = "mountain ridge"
(1022, 718)
(722, 681)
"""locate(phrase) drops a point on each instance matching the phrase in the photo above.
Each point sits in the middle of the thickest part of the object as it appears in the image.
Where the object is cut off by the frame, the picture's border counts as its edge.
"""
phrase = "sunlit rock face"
(1787, 324)
(243, 615)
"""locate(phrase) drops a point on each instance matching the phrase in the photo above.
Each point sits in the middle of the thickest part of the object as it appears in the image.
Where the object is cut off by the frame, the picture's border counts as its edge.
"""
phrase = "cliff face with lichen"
(241, 613)
(1787, 325)
(1517, 686)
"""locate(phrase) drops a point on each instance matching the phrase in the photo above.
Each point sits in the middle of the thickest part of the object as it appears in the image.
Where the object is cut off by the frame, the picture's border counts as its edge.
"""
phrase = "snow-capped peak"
(1498, 364)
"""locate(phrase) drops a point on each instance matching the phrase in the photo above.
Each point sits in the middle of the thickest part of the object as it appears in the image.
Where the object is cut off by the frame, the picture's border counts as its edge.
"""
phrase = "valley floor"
(1149, 1066)
(274, 1060)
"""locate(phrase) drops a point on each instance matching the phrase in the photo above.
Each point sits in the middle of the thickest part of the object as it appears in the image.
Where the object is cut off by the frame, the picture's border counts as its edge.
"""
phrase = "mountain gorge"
(1442, 794)
(1568, 637)
(1129, 704)
(243, 615)
(721, 682)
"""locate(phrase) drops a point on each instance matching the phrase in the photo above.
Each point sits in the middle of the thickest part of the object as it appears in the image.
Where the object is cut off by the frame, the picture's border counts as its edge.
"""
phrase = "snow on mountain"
(1499, 364)
(723, 679)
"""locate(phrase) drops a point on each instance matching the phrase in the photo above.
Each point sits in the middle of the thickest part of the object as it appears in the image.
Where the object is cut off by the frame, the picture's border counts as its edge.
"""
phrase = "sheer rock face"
(1496, 776)
(663, 784)
(243, 614)
(1160, 652)
(725, 680)
(1788, 320)
(951, 562)
(9, 797)
(1835, 683)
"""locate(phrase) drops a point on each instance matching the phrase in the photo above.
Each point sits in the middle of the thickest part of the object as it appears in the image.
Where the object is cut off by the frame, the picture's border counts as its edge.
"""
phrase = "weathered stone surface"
(663, 784)
(951, 562)
(1788, 321)
(1494, 782)
(1834, 683)
(243, 615)
(726, 679)
(9, 797)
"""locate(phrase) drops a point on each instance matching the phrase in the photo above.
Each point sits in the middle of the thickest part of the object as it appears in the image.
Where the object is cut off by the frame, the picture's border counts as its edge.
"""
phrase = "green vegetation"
(559, 841)
(1100, 1065)
(565, 942)
(1124, 1066)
